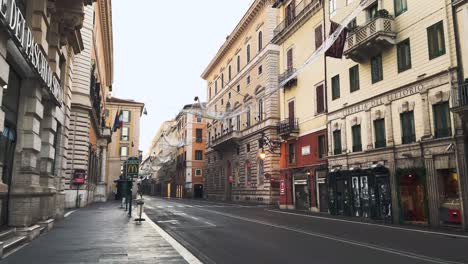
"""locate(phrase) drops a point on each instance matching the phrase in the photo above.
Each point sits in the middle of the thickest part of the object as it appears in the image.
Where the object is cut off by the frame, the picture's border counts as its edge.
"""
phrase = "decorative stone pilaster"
(425, 115)
(389, 124)
(370, 143)
(432, 190)
(100, 195)
(24, 204)
(394, 191)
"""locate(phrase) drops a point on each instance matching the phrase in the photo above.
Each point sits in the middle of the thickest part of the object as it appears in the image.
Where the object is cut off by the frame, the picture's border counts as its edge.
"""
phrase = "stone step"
(7, 234)
(12, 243)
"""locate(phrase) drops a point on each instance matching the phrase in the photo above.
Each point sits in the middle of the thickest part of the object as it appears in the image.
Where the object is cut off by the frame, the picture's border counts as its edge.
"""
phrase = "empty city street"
(228, 233)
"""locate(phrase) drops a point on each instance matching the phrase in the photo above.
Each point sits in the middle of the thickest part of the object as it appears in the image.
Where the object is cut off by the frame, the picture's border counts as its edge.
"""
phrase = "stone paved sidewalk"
(101, 233)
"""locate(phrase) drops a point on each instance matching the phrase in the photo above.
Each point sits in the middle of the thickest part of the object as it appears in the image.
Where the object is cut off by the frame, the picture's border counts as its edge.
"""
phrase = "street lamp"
(262, 154)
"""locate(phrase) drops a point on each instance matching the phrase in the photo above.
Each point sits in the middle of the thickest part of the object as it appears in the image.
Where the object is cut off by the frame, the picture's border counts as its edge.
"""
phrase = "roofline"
(246, 19)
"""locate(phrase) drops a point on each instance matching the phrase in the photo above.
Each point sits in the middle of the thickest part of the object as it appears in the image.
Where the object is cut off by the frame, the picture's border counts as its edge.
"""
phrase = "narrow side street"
(228, 233)
(102, 233)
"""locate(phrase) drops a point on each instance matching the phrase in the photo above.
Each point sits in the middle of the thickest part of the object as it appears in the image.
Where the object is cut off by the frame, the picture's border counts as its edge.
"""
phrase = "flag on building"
(336, 50)
(117, 121)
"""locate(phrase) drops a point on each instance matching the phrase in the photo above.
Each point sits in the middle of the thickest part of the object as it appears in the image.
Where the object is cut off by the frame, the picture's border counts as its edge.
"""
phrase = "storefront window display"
(412, 195)
(450, 206)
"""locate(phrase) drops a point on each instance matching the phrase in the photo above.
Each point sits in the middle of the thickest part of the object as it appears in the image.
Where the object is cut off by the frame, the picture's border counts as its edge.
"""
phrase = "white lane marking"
(69, 213)
(344, 241)
(371, 224)
(149, 207)
(189, 257)
(160, 206)
(180, 206)
(170, 206)
(193, 217)
(210, 224)
(168, 221)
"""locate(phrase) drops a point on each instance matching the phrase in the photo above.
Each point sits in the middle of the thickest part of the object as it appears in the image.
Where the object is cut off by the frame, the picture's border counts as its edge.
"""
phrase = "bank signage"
(11, 16)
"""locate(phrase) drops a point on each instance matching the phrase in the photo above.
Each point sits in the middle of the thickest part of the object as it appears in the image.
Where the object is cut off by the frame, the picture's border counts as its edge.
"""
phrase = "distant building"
(125, 141)
(244, 75)
(191, 160)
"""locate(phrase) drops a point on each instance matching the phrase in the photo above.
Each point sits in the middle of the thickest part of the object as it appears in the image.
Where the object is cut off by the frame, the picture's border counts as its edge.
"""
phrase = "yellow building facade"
(394, 143)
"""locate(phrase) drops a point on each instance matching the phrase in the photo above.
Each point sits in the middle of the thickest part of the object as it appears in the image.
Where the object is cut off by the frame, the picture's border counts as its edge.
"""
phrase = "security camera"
(449, 147)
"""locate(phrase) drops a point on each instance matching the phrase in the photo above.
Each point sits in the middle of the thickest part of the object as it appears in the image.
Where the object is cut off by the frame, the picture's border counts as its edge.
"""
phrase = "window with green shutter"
(337, 150)
(379, 133)
(376, 68)
(354, 78)
(321, 147)
(442, 124)
(436, 40)
(404, 55)
(335, 87)
(356, 134)
(400, 7)
(407, 128)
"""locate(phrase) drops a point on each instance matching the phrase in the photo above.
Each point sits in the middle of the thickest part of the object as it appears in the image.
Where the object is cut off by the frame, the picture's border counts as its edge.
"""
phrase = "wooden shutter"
(291, 111)
(318, 37)
(289, 59)
(320, 99)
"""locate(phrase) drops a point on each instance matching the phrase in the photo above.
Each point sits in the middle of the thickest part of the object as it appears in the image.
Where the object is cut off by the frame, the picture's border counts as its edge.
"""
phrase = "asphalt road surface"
(217, 232)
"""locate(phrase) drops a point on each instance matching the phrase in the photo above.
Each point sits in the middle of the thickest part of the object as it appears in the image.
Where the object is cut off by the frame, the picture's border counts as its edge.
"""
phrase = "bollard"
(140, 206)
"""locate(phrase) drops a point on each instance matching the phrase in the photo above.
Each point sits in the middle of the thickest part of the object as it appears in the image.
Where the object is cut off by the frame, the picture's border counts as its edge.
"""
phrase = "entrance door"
(198, 191)
(7, 152)
(412, 198)
(323, 196)
(302, 196)
(292, 115)
(384, 200)
(343, 201)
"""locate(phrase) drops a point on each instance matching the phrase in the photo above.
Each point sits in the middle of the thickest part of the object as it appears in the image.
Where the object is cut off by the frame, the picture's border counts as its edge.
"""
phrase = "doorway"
(412, 198)
(302, 195)
(229, 180)
(198, 191)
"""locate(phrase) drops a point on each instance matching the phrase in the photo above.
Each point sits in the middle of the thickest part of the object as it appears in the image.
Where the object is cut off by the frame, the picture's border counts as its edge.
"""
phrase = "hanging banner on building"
(14, 20)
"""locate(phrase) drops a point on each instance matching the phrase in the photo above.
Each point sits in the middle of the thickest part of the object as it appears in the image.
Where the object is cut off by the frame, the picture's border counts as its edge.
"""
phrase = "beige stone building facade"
(39, 41)
(394, 148)
(89, 133)
(244, 70)
(125, 140)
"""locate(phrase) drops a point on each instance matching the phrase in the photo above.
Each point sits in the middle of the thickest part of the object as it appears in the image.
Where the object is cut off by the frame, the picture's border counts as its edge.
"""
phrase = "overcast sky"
(162, 47)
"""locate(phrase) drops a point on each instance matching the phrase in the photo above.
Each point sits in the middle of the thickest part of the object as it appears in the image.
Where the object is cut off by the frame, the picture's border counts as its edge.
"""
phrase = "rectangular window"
(248, 114)
(442, 125)
(354, 78)
(238, 123)
(289, 60)
(124, 134)
(320, 99)
(238, 88)
(199, 119)
(248, 80)
(337, 150)
(321, 147)
(198, 154)
(408, 135)
(216, 86)
(318, 37)
(260, 109)
(198, 172)
(332, 7)
(222, 80)
(292, 153)
(126, 116)
(376, 68)
(260, 70)
(352, 25)
(400, 7)
(379, 132)
(372, 12)
(436, 40)
(199, 135)
(247, 147)
(404, 55)
(356, 133)
(123, 151)
(335, 87)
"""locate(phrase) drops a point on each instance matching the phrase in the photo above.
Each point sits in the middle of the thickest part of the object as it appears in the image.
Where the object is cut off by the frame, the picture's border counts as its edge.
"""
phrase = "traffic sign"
(133, 164)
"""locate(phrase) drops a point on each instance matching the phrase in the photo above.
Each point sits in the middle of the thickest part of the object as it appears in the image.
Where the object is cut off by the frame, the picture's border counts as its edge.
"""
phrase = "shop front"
(360, 193)
(301, 189)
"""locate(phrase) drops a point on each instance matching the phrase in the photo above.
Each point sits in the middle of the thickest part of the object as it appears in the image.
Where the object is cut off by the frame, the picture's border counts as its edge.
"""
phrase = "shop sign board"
(14, 20)
(133, 164)
(282, 187)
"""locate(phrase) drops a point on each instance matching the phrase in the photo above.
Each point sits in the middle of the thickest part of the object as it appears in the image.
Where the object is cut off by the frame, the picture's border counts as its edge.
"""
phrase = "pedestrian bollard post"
(140, 205)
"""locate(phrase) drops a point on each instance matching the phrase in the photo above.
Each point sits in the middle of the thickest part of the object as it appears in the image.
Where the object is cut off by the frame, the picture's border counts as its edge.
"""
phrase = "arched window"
(260, 41)
(248, 53)
(238, 64)
(260, 109)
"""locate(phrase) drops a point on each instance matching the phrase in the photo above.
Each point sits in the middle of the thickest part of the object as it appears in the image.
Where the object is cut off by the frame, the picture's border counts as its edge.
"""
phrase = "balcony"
(460, 98)
(225, 139)
(288, 128)
(285, 75)
(371, 39)
(302, 11)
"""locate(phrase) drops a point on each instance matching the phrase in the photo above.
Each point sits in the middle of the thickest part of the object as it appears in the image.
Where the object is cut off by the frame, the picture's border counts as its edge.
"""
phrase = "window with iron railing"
(356, 134)
(337, 149)
(379, 132)
(407, 128)
(442, 123)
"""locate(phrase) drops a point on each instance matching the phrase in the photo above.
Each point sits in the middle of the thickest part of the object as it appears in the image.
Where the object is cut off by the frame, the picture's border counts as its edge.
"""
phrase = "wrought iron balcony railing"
(460, 96)
(285, 75)
(288, 126)
(299, 11)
